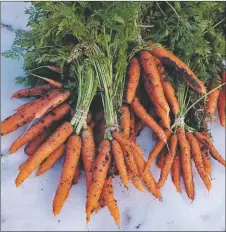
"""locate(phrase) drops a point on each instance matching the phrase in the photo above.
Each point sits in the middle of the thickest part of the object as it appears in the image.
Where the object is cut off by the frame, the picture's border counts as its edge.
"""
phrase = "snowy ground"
(29, 208)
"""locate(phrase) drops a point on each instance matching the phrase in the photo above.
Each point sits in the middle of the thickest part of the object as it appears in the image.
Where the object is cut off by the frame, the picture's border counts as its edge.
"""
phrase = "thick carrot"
(21, 118)
(27, 105)
(133, 79)
(206, 141)
(168, 161)
(168, 58)
(120, 163)
(147, 119)
(77, 174)
(54, 102)
(101, 203)
(51, 160)
(51, 144)
(125, 120)
(33, 92)
(88, 153)
(197, 157)
(132, 126)
(37, 129)
(155, 151)
(137, 182)
(147, 177)
(99, 132)
(222, 107)
(152, 80)
(206, 159)
(211, 104)
(176, 171)
(108, 194)
(160, 162)
(73, 151)
(35, 143)
(99, 174)
(139, 125)
(186, 162)
(167, 87)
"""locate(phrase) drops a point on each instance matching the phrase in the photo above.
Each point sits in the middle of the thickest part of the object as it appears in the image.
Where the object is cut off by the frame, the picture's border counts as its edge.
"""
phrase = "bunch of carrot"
(53, 135)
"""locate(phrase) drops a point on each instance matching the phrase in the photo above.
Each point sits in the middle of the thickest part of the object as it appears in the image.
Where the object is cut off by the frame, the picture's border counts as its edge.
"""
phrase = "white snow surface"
(29, 207)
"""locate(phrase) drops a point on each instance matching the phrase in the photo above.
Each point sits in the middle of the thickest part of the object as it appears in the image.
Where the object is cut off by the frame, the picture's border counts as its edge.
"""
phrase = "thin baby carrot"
(206, 159)
(125, 120)
(132, 126)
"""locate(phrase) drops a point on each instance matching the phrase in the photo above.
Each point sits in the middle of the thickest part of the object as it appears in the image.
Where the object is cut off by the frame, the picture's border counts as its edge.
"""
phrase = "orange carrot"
(197, 157)
(147, 119)
(136, 182)
(152, 80)
(155, 151)
(33, 92)
(125, 120)
(168, 161)
(120, 163)
(167, 87)
(51, 160)
(186, 162)
(54, 102)
(73, 151)
(77, 174)
(160, 162)
(168, 58)
(176, 171)
(51, 144)
(206, 141)
(206, 159)
(27, 105)
(132, 126)
(133, 79)
(37, 129)
(88, 153)
(101, 203)
(165, 119)
(99, 174)
(212, 99)
(19, 119)
(108, 194)
(222, 108)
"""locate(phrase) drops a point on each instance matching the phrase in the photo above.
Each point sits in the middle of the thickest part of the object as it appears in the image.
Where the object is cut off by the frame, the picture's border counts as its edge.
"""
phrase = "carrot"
(222, 108)
(108, 194)
(167, 87)
(168, 161)
(77, 174)
(120, 163)
(54, 102)
(152, 80)
(147, 177)
(139, 125)
(206, 159)
(132, 126)
(147, 119)
(27, 105)
(33, 92)
(160, 162)
(211, 104)
(51, 67)
(51, 144)
(133, 79)
(99, 174)
(155, 151)
(99, 132)
(136, 182)
(176, 171)
(101, 203)
(19, 119)
(168, 58)
(125, 120)
(37, 129)
(186, 162)
(50, 81)
(35, 143)
(88, 153)
(206, 141)
(165, 119)
(197, 157)
(51, 160)
(73, 151)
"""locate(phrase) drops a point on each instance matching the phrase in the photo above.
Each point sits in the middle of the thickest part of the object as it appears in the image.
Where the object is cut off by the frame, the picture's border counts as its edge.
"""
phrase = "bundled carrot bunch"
(104, 99)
